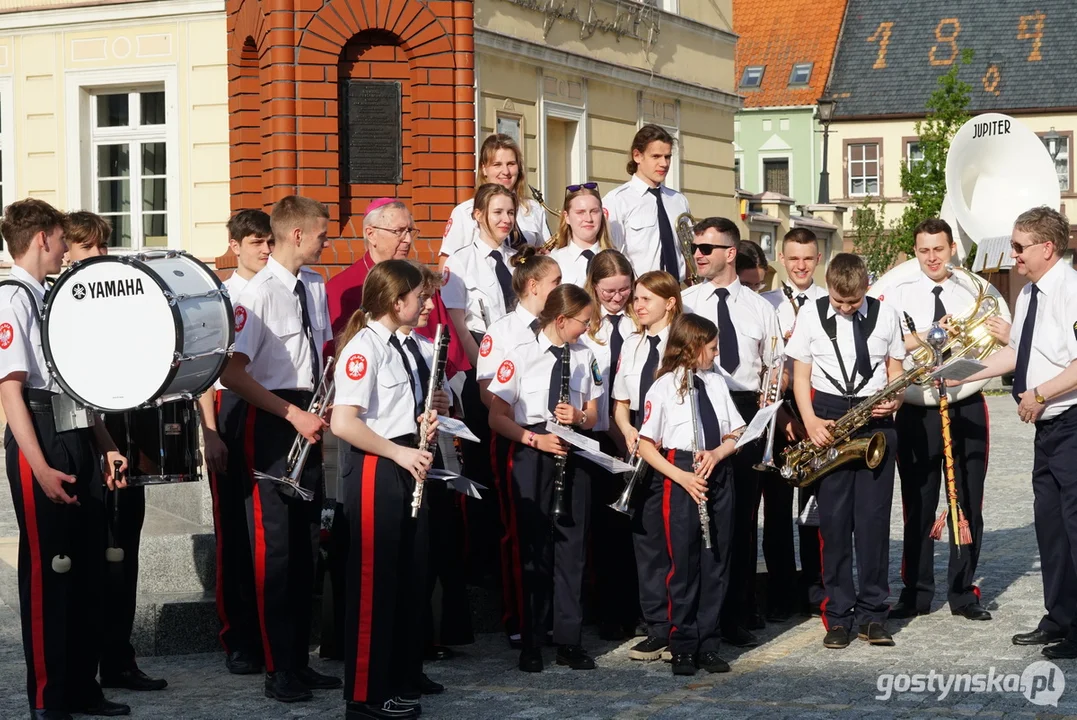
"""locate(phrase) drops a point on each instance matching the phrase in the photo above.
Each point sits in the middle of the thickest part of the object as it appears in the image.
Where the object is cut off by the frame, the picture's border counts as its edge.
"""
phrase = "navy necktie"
(646, 378)
(1024, 348)
(801, 299)
(420, 366)
(728, 348)
(590, 255)
(860, 344)
(616, 343)
(665, 236)
(940, 309)
(534, 325)
(504, 277)
(555, 376)
(301, 294)
(712, 430)
(395, 342)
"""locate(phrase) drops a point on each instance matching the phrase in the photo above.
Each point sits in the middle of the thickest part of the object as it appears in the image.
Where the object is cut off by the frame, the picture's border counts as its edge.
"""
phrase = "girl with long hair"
(582, 233)
(690, 427)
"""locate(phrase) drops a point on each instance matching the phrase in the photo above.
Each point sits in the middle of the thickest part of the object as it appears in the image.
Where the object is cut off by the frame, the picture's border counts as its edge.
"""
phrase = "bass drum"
(122, 332)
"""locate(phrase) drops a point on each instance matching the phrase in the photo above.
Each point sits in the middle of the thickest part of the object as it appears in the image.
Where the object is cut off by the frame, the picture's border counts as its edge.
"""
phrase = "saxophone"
(685, 238)
(806, 462)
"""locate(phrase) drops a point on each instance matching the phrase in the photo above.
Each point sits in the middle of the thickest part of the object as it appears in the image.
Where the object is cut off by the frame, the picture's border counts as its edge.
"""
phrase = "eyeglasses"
(707, 248)
(585, 323)
(584, 186)
(610, 294)
(399, 232)
(1018, 248)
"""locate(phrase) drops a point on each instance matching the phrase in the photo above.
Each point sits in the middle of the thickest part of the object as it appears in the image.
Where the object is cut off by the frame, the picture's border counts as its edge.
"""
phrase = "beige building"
(121, 109)
(573, 81)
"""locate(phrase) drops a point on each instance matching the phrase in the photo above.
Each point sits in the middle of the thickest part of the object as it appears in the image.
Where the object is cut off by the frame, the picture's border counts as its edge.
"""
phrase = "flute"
(441, 355)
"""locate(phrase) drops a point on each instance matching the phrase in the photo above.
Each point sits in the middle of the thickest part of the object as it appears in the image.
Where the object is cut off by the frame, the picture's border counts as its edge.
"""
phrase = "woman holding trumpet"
(690, 426)
(387, 576)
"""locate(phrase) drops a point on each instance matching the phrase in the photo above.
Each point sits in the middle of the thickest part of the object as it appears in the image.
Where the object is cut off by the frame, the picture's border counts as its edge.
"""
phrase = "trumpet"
(441, 355)
(772, 386)
(685, 238)
(297, 456)
(697, 430)
(621, 503)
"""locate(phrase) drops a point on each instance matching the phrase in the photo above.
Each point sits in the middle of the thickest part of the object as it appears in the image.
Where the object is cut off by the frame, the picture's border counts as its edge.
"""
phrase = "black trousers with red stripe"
(811, 561)
(237, 607)
(698, 578)
(920, 461)
(508, 551)
(552, 554)
(60, 610)
(283, 535)
(652, 554)
(740, 599)
(387, 579)
(121, 582)
(854, 510)
(480, 514)
(616, 589)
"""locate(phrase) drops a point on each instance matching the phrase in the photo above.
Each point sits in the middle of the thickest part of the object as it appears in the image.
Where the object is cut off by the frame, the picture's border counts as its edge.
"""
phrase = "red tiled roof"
(780, 33)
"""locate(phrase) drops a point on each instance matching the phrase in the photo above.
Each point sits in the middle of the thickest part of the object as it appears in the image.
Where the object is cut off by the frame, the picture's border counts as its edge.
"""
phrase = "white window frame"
(670, 6)
(80, 89)
(1063, 155)
(908, 153)
(788, 157)
(7, 148)
(878, 170)
(560, 111)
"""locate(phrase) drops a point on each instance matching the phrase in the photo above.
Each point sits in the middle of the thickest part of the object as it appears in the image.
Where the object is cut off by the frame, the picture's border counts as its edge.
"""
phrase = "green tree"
(925, 182)
(871, 239)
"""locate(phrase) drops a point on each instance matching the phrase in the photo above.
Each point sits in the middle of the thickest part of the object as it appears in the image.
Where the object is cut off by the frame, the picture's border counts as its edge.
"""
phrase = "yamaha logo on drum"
(107, 288)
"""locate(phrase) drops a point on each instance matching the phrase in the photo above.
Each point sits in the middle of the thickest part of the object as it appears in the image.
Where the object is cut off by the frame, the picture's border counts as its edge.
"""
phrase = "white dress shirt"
(811, 344)
(600, 346)
(462, 228)
(20, 332)
(668, 417)
(371, 377)
(503, 335)
(469, 282)
(634, 354)
(234, 285)
(632, 213)
(574, 263)
(1054, 338)
(269, 327)
(784, 306)
(755, 322)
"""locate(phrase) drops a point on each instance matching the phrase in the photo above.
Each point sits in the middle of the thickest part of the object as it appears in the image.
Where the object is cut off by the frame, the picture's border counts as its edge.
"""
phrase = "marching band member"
(477, 290)
(1042, 354)
(643, 211)
(747, 331)
(55, 487)
(281, 325)
(609, 283)
(847, 348)
(752, 265)
(698, 576)
(87, 235)
(656, 303)
(933, 296)
(250, 238)
(526, 394)
(387, 561)
(500, 163)
(533, 277)
(582, 233)
(800, 256)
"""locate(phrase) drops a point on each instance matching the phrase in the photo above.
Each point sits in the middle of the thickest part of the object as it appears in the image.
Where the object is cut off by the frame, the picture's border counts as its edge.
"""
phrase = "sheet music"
(607, 462)
(572, 437)
(759, 423)
(958, 369)
(456, 428)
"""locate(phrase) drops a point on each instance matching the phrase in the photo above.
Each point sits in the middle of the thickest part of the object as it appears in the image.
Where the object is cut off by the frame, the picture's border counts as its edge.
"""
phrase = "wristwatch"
(1039, 398)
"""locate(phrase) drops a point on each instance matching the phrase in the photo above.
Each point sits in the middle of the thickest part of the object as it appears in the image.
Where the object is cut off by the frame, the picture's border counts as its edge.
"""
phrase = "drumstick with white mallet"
(114, 553)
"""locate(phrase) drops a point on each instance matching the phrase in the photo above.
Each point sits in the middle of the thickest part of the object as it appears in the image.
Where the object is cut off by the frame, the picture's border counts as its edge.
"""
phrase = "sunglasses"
(584, 186)
(707, 248)
(1018, 248)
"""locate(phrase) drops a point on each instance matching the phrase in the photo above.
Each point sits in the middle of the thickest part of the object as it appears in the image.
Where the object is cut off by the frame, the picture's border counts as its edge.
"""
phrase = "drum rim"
(46, 345)
(230, 323)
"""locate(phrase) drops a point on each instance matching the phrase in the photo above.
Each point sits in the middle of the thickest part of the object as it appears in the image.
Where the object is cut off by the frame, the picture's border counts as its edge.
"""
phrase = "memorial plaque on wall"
(373, 135)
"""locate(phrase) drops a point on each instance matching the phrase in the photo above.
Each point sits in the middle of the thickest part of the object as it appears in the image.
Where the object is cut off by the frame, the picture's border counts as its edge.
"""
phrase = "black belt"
(743, 395)
(409, 440)
(1064, 415)
(838, 401)
(537, 428)
(38, 400)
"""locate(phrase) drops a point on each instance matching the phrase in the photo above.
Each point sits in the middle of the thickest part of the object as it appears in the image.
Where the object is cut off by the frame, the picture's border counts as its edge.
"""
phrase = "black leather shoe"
(972, 611)
(286, 687)
(1065, 650)
(779, 614)
(575, 657)
(241, 663)
(710, 662)
(739, 636)
(439, 652)
(515, 642)
(409, 702)
(104, 708)
(50, 715)
(531, 660)
(901, 611)
(1037, 637)
(389, 710)
(836, 638)
(428, 686)
(648, 649)
(133, 679)
(317, 681)
(876, 634)
(754, 621)
(684, 664)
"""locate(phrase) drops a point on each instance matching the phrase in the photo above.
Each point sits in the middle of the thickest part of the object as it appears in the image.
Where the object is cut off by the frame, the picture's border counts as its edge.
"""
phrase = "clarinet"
(704, 515)
(441, 355)
(560, 508)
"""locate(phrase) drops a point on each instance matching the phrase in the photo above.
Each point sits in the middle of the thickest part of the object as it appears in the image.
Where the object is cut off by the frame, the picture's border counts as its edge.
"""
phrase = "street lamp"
(825, 105)
(1053, 144)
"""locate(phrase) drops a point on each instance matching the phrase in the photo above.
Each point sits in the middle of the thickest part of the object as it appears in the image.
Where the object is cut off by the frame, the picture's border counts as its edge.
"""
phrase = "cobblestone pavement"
(790, 675)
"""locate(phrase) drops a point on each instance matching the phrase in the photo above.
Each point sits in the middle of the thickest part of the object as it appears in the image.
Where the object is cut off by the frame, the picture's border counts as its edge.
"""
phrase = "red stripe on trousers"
(366, 587)
(667, 487)
(505, 546)
(259, 539)
(222, 614)
(517, 567)
(826, 598)
(37, 601)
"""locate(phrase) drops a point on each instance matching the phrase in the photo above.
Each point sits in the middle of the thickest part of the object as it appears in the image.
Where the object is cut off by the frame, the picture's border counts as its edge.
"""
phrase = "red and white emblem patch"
(241, 317)
(486, 346)
(356, 367)
(445, 275)
(448, 227)
(506, 371)
(7, 334)
(646, 411)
